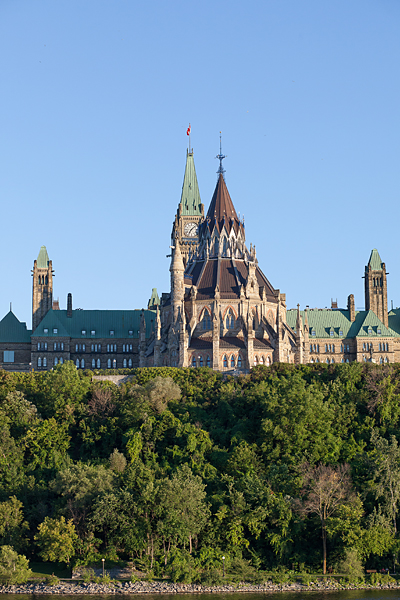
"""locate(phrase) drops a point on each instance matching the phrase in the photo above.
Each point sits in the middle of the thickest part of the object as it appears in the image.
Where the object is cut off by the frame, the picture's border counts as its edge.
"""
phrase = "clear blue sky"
(96, 99)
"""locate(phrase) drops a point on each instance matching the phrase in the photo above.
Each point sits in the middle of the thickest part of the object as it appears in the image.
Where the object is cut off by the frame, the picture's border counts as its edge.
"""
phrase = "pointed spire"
(177, 260)
(190, 203)
(220, 157)
(43, 258)
(375, 262)
(221, 211)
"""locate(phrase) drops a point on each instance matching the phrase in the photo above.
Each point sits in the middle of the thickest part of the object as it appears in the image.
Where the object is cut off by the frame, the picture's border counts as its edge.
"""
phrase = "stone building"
(221, 311)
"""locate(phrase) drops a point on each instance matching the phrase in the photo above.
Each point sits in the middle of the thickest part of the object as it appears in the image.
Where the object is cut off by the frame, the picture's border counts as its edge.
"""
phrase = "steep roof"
(221, 211)
(375, 261)
(154, 299)
(43, 258)
(190, 197)
(101, 322)
(327, 321)
(13, 330)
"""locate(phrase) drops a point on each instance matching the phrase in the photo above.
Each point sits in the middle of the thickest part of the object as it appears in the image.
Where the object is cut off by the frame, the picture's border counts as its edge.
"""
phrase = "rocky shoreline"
(143, 587)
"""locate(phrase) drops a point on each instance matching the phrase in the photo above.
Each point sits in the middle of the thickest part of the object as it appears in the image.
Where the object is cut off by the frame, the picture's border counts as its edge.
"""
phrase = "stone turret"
(42, 289)
(375, 283)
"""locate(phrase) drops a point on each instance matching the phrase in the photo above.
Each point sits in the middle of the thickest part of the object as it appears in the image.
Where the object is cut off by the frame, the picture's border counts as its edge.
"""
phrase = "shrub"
(351, 564)
(280, 576)
(87, 575)
(381, 579)
(52, 579)
(212, 577)
(14, 568)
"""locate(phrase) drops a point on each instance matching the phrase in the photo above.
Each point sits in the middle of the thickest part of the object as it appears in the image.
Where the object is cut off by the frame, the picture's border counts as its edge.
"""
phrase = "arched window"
(333, 348)
(130, 363)
(93, 363)
(318, 348)
(326, 347)
(108, 347)
(311, 360)
(77, 363)
(99, 347)
(232, 362)
(225, 361)
(208, 361)
(82, 363)
(124, 363)
(206, 320)
(109, 363)
(327, 361)
(317, 360)
(61, 361)
(98, 363)
(123, 347)
(310, 347)
(255, 361)
(342, 360)
(194, 364)
(332, 360)
(239, 362)
(386, 360)
(347, 360)
(114, 363)
(381, 360)
(200, 361)
(55, 361)
(268, 361)
(45, 362)
(230, 320)
(62, 345)
(39, 362)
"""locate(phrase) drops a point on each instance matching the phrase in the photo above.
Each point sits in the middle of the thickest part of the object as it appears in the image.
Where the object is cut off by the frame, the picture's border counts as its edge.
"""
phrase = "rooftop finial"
(220, 156)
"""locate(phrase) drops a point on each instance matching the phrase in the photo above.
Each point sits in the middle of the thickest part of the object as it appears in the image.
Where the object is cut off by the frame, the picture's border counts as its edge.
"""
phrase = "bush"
(212, 577)
(381, 579)
(280, 576)
(351, 565)
(52, 579)
(87, 575)
(14, 568)
(240, 570)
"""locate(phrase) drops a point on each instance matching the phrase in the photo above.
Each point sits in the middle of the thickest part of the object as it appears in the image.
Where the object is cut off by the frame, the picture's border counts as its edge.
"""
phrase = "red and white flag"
(188, 130)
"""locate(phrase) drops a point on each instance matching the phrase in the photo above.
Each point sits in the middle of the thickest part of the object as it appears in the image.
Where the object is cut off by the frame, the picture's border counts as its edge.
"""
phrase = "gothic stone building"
(221, 312)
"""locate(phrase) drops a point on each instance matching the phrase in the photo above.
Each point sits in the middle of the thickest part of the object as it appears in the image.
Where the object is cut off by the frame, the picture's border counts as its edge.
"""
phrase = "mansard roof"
(43, 258)
(374, 261)
(221, 211)
(190, 198)
(328, 323)
(13, 330)
(101, 322)
(228, 274)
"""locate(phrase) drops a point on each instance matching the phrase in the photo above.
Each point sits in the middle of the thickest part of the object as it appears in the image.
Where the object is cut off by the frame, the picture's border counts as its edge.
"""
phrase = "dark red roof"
(221, 211)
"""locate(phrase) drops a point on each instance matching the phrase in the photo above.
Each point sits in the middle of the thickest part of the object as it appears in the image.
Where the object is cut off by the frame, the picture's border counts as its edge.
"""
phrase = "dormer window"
(379, 331)
(55, 330)
(369, 331)
(111, 332)
(45, 330)
(93, 332)
(313, 333)
(331, 333)
(130, 332)
(340, 332)
(83, 331)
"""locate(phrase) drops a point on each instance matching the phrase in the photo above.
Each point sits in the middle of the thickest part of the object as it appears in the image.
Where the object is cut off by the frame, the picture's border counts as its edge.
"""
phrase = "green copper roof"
(375, 261)
(190, 199)
(43, 258)
(154, 300)
(12, 330)
(330, 323)
(101, 322)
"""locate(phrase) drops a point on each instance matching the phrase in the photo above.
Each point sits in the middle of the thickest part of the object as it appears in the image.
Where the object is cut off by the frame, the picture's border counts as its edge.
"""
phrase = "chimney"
(56, 304)
(334, 303)
(69, 305)
(351, 308)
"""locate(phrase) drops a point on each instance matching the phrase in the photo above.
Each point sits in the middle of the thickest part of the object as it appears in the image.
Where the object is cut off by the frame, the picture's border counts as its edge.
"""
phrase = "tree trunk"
(190, 544)
(323, 547)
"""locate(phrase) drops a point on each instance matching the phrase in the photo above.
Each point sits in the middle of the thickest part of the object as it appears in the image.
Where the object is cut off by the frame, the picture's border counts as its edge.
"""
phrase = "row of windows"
(97, 347)
(43, 280)
(228, 322)
(80, 363)
(329, 348)
(382, 360)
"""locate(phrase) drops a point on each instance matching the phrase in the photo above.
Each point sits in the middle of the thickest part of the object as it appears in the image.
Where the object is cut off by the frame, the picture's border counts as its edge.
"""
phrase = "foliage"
(56, 539)
(14, 568)
(178, 467)
(351, 564)
(381, 579)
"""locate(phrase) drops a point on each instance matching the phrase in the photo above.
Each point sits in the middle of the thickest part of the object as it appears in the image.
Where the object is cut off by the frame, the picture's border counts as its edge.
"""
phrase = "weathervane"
(220, 156)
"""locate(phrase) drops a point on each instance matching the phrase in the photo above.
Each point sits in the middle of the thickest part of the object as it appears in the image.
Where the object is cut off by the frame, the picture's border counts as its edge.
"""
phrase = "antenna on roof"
(11, 306)
(220, 157)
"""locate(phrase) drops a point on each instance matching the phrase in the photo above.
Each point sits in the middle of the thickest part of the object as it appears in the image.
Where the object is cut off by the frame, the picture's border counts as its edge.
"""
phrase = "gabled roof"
(190, 197)
(101, 322)
(327, 321)
(43, 258)
(221, 211)
(375, 261)
(12, 330)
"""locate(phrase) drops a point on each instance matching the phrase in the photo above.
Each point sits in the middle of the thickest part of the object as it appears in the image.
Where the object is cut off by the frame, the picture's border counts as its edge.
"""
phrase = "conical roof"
(375, 261)
(190, 198)
(43, 258)
(221, 210)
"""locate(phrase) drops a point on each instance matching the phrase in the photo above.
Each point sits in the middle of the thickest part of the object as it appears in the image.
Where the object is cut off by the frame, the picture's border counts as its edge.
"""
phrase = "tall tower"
(376, 287)
(42, 294)
(190, 212)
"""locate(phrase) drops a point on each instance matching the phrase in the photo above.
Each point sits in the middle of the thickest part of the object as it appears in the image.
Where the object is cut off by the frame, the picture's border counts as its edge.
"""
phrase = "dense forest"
(290, 465)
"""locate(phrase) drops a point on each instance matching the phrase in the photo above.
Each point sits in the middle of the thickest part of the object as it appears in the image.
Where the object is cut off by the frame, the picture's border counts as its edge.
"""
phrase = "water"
(320, 595)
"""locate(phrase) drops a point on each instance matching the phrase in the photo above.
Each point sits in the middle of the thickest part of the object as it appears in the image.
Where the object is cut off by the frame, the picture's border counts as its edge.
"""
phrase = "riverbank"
(143, 587)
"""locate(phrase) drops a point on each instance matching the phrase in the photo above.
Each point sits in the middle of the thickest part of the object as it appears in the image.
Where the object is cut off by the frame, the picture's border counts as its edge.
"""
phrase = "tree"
(12, 524)
(14, 568)
(47, 444)
(56, 539)
(386, 474)
(325, 489)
